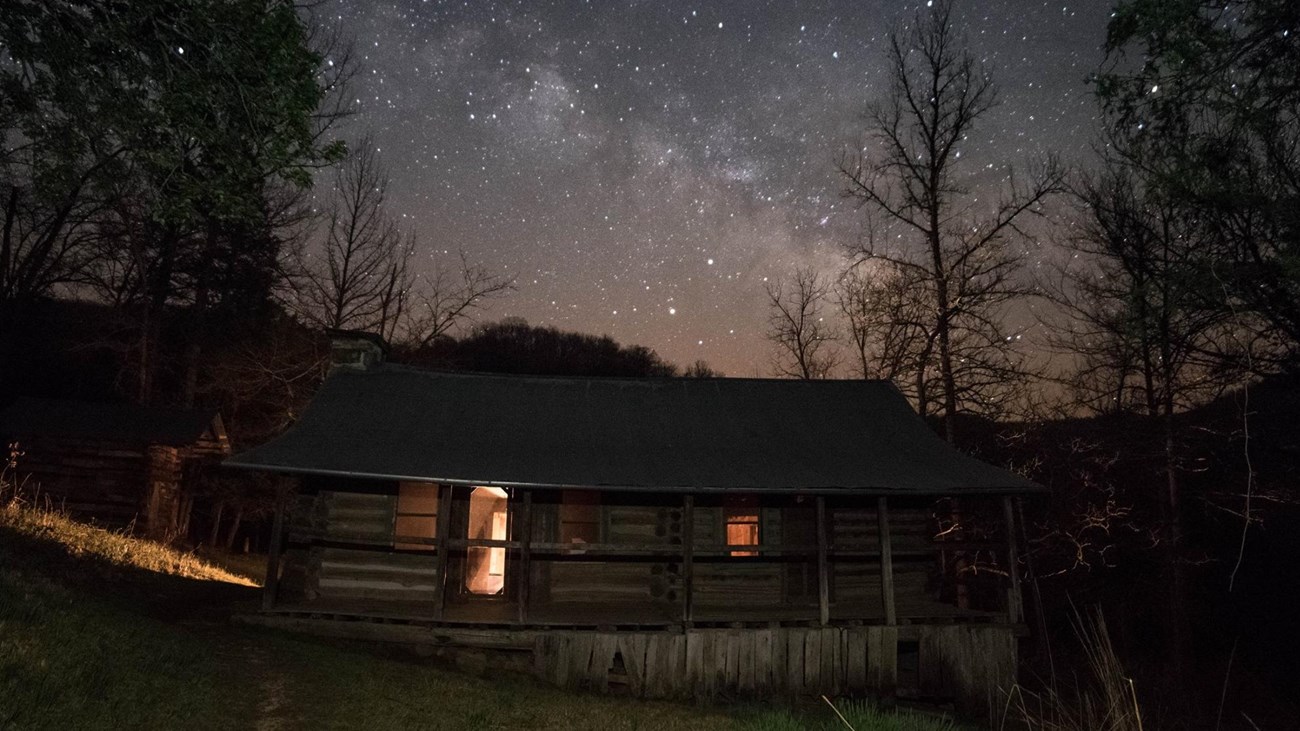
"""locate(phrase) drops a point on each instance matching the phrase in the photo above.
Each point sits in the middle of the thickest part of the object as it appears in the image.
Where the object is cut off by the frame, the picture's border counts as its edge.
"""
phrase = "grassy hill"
(102, 630)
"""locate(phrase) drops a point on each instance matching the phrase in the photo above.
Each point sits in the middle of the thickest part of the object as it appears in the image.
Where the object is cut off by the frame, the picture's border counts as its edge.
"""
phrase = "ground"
(101, 630)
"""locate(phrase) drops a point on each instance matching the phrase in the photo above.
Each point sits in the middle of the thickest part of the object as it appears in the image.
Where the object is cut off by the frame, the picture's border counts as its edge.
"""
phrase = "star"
(597, 150)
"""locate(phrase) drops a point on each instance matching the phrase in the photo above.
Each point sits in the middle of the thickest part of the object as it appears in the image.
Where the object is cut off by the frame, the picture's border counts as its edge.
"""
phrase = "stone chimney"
(356, 349)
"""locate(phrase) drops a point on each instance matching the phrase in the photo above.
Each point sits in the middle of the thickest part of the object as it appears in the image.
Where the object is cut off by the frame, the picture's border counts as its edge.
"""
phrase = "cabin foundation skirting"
(968, 664)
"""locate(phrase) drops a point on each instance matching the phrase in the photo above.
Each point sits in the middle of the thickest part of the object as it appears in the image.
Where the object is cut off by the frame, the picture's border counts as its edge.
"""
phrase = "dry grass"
(1105, 700)
(113, 548)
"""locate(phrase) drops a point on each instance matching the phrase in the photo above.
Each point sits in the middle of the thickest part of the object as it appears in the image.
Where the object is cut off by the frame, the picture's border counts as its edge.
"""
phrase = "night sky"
(642, 167)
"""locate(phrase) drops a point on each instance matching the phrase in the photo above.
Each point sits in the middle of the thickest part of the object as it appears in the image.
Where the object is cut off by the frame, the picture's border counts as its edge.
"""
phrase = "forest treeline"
(182, 215)
(1155, 390)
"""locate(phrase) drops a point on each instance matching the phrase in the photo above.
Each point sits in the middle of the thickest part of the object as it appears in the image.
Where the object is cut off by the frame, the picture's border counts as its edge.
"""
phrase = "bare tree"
(886, 322)
(796, 324)
(446, 299)
(922, 217)
(359, 277)
(701, 369)
(48, 200)
(1147, 337)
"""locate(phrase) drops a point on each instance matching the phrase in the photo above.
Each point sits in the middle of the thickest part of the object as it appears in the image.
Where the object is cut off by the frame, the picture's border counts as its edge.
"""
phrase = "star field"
(641, 167)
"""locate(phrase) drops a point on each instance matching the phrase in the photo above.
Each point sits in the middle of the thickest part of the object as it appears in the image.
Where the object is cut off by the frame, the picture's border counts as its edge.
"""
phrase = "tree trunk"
(183, 519)
(949, 382)
(234, 529)
(158, 291)
(942, 330)
(215, 534)
(1179, 628)
(7, 285)
(1179, 636)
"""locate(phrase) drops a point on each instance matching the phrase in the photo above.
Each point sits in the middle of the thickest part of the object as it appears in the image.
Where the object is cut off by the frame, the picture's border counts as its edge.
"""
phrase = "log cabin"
(118, 464)
(659, 537)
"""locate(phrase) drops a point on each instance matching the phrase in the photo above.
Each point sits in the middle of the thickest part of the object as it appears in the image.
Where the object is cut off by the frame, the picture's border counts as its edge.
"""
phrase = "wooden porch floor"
(578, 614)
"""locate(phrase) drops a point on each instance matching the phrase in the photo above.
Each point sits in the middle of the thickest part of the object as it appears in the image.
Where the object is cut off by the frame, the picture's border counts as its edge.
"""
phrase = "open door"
(489, 518)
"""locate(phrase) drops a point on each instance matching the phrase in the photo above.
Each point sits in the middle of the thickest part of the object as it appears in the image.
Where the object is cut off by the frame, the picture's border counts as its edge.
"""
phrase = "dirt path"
(272, 698)
(206, 609)
(242, 655)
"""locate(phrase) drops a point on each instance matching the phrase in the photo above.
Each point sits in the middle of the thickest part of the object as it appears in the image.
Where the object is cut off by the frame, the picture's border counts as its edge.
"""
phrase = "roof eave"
(819, 490)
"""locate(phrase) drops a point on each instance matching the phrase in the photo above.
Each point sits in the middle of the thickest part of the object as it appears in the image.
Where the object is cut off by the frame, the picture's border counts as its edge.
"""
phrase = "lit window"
(742, 526)
(417, 514)
(580, 516)
(488, 520)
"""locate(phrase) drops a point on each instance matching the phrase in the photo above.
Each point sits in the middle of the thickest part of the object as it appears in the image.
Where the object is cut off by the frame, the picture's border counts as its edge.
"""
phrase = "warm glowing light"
(485, 568)
(416, 515)
(742, 530)
(497, 562)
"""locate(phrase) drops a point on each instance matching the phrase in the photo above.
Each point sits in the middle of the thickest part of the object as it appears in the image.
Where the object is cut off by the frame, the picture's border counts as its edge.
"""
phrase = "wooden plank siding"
(970, 665)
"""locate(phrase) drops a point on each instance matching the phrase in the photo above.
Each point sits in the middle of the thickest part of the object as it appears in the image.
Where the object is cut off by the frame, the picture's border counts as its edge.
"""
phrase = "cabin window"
(580, 516)
(488, 520)
(416, 515)
(742, 526)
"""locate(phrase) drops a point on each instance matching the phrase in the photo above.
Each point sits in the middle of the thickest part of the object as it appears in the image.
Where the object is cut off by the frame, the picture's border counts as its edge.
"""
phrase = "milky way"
(642, 167)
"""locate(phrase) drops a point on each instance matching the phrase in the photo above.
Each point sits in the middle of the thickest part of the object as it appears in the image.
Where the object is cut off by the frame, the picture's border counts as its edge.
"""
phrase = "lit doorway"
(485, 570)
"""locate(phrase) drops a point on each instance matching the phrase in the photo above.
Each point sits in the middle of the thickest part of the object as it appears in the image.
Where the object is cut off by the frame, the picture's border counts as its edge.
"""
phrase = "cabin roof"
(706, 435)
(110, 422)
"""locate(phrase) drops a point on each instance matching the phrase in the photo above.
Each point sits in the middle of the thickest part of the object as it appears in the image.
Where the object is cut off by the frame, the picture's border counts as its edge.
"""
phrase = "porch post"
(886, 562)
(525, 554)
(272, 582)
(823, 574)
(688, 558)
(441, 539)
(1015, 609)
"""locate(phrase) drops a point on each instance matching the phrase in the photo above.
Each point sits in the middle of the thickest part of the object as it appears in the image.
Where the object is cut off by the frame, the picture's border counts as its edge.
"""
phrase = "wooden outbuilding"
(118, 464)
(660, 537)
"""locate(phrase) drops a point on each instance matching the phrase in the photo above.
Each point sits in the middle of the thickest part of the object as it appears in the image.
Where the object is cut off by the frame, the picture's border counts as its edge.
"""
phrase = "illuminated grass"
(108, 548)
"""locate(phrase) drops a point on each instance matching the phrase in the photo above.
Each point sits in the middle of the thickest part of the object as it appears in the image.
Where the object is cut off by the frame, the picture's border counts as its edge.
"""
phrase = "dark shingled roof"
(126, 423)
(631, 434)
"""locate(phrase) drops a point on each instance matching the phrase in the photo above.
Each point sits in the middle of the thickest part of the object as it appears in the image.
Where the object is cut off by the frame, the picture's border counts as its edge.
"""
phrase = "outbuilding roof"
(110, 422)
(658, 434)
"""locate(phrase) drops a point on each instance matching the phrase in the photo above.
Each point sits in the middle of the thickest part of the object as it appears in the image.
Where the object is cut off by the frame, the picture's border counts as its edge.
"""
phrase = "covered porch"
(806, 561)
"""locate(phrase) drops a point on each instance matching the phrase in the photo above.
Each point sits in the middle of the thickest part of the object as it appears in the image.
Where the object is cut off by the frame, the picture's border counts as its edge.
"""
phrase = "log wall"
(339, 550)
(118, 485)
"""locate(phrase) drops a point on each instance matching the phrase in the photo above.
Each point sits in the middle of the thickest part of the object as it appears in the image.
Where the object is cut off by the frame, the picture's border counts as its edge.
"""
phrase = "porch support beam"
(525, 539)
(1015, 607)
(442, 538)
(272, 583)
(886, 562)
(688, 558)
(823, 572)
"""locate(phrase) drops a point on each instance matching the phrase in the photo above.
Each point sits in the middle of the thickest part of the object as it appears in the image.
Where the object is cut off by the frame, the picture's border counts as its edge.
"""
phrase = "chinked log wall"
(115, 484)
(340, 559)
(365, 574)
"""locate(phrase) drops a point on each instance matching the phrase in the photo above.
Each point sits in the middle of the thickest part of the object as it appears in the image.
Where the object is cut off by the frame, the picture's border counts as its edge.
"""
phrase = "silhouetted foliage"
(514, 346)
(796, 324)
(906, 175)
(1209, 115)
